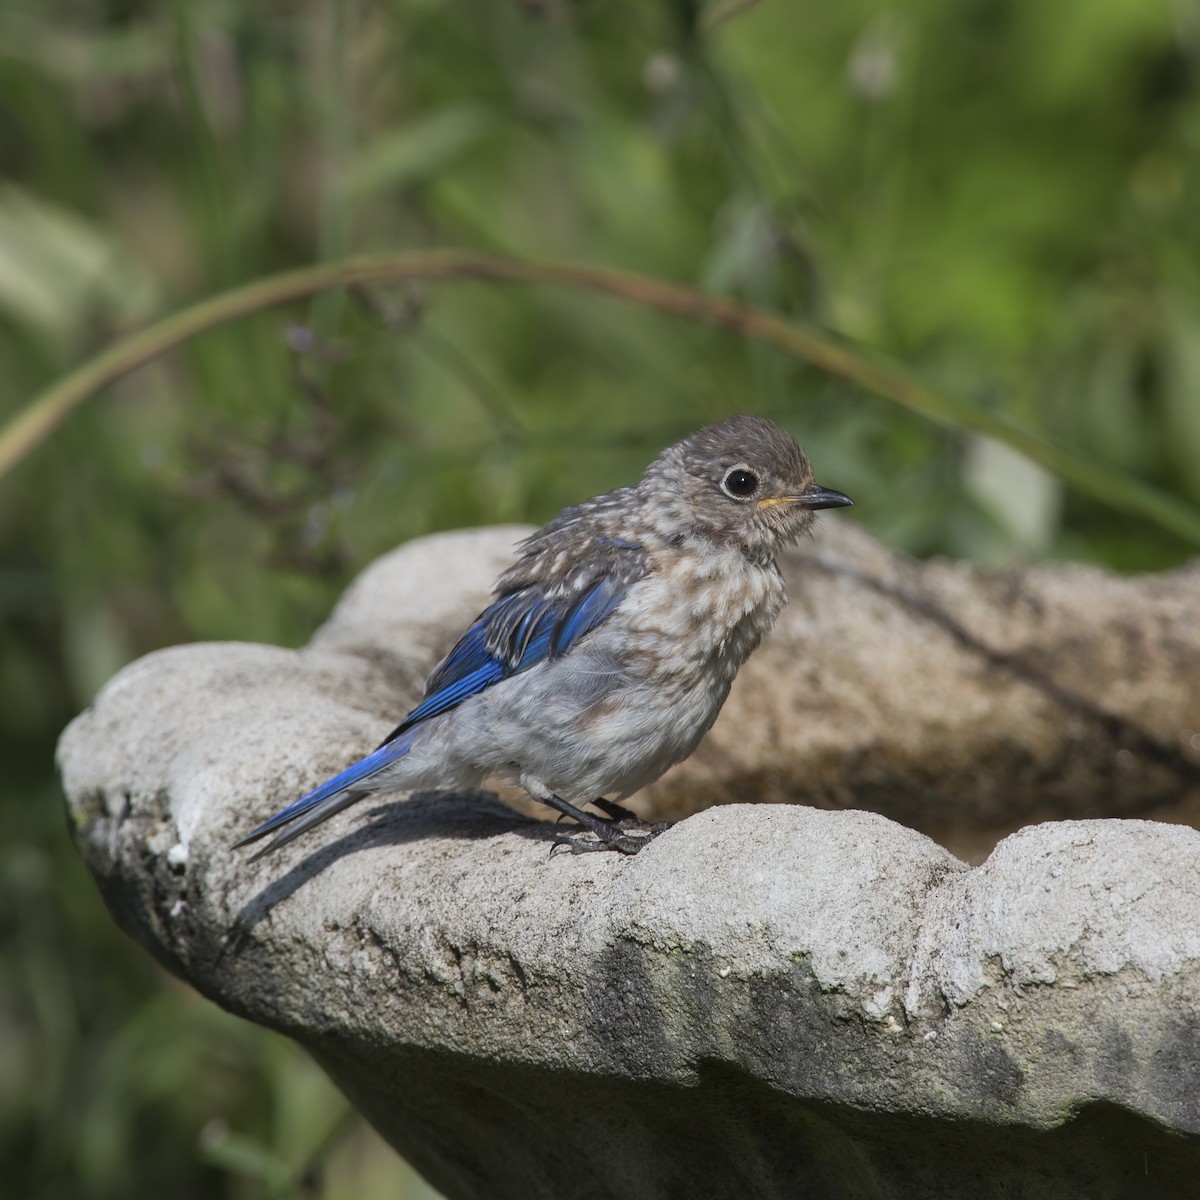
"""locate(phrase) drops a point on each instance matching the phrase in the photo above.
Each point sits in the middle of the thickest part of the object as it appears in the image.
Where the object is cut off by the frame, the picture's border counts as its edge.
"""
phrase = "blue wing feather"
(514, 633)
(586, 613)
(454, 692)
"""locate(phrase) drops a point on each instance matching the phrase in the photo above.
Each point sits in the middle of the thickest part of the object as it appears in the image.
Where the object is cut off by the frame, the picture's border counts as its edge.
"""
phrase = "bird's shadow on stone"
(464, 815)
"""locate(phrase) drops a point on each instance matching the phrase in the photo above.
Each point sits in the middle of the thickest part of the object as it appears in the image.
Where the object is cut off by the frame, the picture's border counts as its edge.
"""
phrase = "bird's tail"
(331, 797)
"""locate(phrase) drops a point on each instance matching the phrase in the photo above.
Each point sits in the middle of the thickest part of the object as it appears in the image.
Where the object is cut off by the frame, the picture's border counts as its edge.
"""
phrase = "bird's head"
(742, 481)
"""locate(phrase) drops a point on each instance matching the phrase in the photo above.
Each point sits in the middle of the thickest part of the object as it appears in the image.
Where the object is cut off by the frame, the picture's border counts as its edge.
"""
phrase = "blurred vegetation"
(1004, 196)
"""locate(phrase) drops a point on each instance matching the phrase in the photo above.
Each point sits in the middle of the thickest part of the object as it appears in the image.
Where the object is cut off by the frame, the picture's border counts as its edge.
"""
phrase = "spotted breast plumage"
(611, 642)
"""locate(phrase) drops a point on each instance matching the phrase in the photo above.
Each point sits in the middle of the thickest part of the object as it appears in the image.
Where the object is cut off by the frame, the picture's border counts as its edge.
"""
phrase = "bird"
(610, 644)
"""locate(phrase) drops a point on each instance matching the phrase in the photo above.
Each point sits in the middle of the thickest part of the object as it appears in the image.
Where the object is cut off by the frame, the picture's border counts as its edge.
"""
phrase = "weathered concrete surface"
(768, 1000)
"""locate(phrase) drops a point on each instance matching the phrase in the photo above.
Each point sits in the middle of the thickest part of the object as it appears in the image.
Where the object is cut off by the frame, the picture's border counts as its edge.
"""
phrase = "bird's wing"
(532, 620)
(528, 625)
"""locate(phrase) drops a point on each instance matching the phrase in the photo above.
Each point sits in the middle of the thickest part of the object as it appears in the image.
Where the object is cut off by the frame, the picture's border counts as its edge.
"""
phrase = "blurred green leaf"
(1182, 391)
(414, 152)
(76, 57)
(1024, 497)
(241, 1155)
(57, 270)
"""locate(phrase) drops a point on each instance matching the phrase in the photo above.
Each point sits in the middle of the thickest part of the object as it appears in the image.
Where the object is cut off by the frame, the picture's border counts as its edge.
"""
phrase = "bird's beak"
(814, 496)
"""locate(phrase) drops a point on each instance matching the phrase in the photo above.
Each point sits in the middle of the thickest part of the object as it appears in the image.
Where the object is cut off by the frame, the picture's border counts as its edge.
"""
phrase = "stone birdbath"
(783, 996)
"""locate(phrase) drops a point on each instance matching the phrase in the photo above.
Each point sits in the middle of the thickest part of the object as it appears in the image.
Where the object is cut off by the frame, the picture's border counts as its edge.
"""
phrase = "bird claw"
(584, 843)
(622, 843)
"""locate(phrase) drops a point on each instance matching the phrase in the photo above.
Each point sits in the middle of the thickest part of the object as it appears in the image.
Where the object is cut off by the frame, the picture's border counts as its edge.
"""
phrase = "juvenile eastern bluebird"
(611, 643)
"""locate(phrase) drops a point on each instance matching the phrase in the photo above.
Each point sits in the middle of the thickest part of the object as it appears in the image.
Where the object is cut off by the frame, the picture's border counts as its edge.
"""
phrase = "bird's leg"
(608, 832)
(619, 813)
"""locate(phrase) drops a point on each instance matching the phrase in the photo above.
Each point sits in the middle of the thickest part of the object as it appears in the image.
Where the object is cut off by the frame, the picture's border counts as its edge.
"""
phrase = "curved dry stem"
(51, 407)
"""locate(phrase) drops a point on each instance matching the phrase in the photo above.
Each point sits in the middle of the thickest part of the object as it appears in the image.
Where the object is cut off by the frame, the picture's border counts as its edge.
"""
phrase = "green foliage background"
(1004, 196)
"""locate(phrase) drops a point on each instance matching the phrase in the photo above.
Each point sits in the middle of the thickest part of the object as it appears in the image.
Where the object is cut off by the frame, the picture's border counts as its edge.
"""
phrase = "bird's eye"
(740, 483)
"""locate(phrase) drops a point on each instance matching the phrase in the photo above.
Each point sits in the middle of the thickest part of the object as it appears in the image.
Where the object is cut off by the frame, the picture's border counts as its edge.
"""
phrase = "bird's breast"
(696, 618)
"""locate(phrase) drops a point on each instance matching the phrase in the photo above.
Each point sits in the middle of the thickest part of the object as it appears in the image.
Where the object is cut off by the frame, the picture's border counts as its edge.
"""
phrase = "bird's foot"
(623, 843)
(610, 834)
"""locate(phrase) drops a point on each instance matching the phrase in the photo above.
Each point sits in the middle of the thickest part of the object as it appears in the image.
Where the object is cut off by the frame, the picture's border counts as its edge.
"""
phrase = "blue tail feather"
(329, 790)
